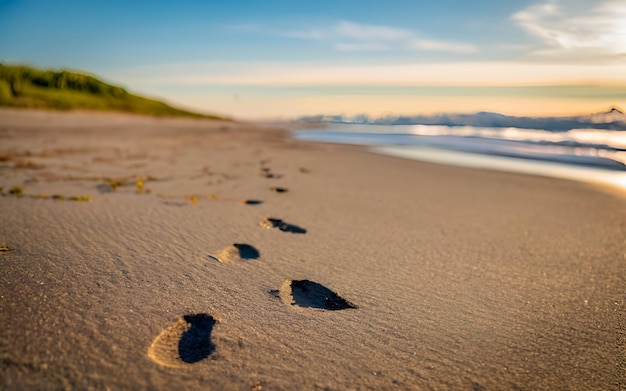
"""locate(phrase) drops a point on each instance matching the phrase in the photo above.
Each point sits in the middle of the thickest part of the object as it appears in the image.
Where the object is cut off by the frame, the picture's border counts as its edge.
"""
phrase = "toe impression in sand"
(187, 341)
(309, 294)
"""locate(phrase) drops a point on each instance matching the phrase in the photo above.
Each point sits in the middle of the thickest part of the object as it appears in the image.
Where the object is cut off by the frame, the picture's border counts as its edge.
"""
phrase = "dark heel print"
(281, 225)
(186, 342)
(309, 294)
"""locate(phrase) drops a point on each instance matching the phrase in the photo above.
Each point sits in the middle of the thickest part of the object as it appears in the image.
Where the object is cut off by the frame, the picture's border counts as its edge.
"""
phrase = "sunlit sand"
(370, 272)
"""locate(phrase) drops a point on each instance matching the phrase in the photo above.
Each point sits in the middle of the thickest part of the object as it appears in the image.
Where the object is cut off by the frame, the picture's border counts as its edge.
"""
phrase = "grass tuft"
(27, 87)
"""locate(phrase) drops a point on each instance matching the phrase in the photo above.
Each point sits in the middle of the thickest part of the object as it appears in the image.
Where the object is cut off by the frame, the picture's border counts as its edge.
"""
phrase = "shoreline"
(461, 151)
(461, 278)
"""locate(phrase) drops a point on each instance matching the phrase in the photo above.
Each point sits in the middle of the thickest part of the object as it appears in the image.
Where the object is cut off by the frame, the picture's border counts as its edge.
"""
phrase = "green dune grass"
(27, 87)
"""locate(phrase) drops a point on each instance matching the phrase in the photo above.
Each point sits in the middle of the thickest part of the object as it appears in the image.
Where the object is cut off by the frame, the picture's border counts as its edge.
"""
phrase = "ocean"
(588, 155)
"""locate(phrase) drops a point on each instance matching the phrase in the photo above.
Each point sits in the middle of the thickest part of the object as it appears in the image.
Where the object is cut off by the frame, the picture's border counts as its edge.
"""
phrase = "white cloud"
(350, 36)
(570, 32)
(456, 47)
(365, 32)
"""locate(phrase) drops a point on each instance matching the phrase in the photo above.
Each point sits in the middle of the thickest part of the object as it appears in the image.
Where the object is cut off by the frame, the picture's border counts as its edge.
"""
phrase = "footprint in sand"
(267, 173)
(187, 341)
(279, 189)
(252, 202)
(309, 294)
(271, 175)
(281, 225)
(236, 252)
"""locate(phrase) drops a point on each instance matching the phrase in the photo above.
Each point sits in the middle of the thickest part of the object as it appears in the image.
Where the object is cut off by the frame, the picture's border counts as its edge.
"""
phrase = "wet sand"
(159, 254)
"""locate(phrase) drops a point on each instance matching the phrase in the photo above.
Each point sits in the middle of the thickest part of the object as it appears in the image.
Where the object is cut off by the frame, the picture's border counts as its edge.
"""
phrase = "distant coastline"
(613, 119)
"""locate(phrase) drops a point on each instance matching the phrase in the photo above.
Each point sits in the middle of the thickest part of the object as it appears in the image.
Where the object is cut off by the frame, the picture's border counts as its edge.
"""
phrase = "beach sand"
(188, 268)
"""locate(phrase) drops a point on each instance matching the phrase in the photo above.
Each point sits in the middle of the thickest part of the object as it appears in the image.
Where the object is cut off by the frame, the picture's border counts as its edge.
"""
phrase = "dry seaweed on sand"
(85, 198)
(17, 191)
(115, 183)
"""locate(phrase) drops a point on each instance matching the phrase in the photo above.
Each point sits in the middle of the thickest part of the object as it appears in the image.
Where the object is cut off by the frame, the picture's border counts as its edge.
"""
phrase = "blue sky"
(285, 58)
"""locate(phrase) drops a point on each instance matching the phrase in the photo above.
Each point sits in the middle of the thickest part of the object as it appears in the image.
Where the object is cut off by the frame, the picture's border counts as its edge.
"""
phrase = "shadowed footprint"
(185, 342)
(281, 225)
(309, 294)
(279, 189)
(252, 202)
(236, 252)
(267, 172)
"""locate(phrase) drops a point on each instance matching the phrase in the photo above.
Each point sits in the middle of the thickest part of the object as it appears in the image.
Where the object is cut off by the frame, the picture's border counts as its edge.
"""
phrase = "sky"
(281, 59)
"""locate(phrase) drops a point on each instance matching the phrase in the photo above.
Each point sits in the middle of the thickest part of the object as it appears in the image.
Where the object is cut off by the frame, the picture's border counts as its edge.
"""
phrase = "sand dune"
(407, 276)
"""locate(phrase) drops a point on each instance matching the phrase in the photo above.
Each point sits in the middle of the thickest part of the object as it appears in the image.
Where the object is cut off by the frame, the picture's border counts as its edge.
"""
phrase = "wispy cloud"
(365, 32)
(362, 46)
(436, 74)
(457, 47)
(568, 32)
(350, 36)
